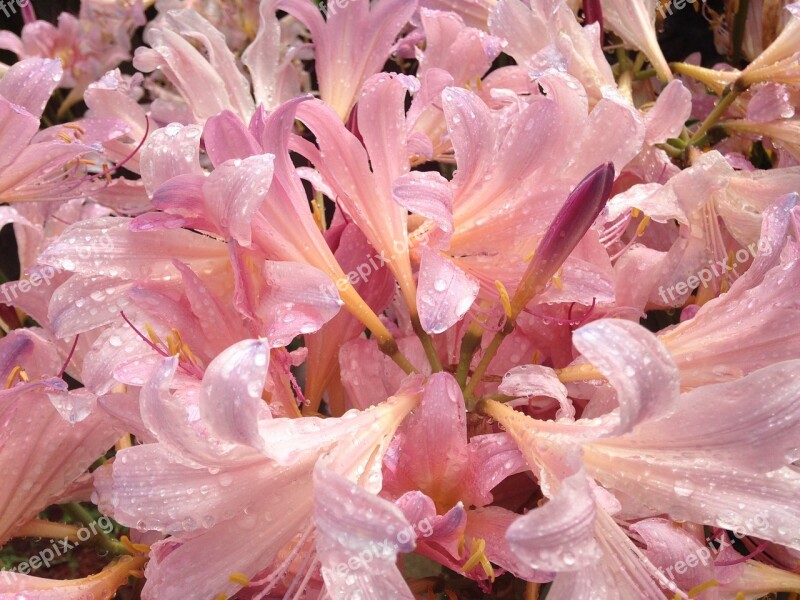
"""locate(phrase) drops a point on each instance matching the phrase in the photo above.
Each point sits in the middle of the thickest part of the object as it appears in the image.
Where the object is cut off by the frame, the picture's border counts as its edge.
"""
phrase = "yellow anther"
(730, 261)
(557, 279)
(318, 211)
(741, 596)
(699, 589)
(134, 548)
(221, 597)
(76, 127)
(239, 579)
(153, 335)
(642, 226)
(635, 213)
(504, 298)
(478, 557)
(86, 161)
(16, 372)
(536, 356)
(724, 286)
(529, 258)
(479, 84)
(468, 85)
(65, 136)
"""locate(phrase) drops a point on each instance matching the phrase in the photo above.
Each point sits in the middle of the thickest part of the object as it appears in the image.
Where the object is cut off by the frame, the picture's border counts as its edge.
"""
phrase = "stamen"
(69, 357)
(699, 589)
(16, 372)
(141, 335)
(239, 579)
(642, 226)
(504, 297)
(478, 557)
(578, 373)
(635, 213)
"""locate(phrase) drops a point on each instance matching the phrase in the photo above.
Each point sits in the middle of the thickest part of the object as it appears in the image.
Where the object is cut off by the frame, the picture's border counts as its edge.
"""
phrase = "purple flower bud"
(568, 228)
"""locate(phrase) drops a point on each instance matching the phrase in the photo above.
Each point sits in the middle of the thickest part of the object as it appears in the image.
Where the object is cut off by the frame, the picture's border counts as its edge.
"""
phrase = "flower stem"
(730, 95)
(488, 357)
(427, 344)
(81, 515)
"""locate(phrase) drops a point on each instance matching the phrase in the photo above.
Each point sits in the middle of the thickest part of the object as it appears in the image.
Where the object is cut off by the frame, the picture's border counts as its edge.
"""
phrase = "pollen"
(478, 557)
(504, 297)
(239, 579)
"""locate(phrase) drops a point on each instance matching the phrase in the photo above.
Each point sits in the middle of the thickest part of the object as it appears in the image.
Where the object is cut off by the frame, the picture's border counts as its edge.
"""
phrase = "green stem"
(427, 344)
(82, 516)
(724, 103)
(487, 358)
(470, 343)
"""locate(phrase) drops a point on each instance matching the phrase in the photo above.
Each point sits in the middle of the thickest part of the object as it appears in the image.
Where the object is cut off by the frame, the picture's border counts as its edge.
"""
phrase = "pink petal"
(770, 102)
(559, 536)
(667, 545)
(19, 126)
(354, 525)
(444, 293)
(534, 380)
(721, 420)
(29, 83)
(669, 114)
(226, 138)
(43, 453)
(234, 192)
(230, 396)
(168, 152)
(84, 303)
(427, 194)
(299, 299)
(635, 363)
(432, 449)
(104, 246)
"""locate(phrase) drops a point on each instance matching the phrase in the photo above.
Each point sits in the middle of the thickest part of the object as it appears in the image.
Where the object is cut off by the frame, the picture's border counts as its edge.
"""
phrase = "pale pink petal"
(43, 453)
(431, 450)
(535, 380)
(299, 299)
(29, 83)
(104, 246)
(667, 545)
(634, 22)
(669, 114)
(230, 396)
(168, 152)
(427, 194)
(19, 126)
(635, 363)
(723, 421)
(84, 303)
(226, 137)
(770, 102)
(559, 536)
(464, 52)
(444, 293)
(234, 192)
(175, 421)
(354, 525)
(493, 458)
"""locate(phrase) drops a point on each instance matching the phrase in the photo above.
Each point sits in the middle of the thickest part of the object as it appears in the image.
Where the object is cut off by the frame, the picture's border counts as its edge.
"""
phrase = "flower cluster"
(307, 289)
